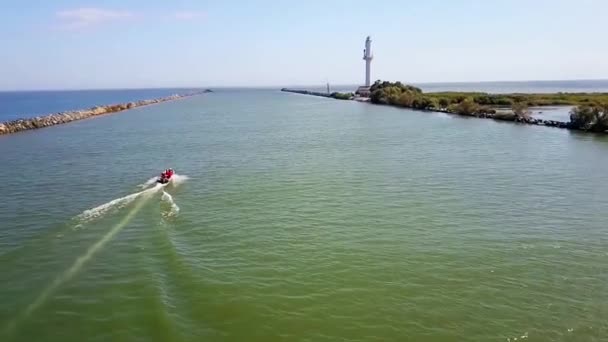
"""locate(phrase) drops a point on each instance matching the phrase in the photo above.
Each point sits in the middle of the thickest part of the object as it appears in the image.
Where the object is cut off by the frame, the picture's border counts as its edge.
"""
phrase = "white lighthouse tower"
(367, 57)
(364, 91)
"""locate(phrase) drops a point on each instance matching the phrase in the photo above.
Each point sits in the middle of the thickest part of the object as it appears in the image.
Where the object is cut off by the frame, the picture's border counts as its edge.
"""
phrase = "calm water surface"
(298, 218)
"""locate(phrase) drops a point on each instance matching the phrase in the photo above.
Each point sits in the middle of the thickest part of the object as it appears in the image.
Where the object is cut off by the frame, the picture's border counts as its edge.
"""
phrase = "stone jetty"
(69, 116)
(306, 92)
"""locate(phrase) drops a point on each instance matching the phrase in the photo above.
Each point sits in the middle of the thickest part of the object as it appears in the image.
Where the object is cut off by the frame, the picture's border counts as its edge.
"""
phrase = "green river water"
(298, 218)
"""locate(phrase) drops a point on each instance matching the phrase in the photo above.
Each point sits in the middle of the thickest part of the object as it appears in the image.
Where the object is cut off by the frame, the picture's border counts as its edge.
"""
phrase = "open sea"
(25, 104)
(298, 218)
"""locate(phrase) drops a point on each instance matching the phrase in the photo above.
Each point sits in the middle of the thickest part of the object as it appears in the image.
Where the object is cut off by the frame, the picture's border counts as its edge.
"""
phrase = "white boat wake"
(149, 182)
(150, 187)
(177, 180)
(83, 259)
(174, 209)
(119, 203)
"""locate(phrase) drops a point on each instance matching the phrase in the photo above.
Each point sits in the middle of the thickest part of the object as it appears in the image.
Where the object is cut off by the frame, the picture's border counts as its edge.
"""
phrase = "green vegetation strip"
(590, 113)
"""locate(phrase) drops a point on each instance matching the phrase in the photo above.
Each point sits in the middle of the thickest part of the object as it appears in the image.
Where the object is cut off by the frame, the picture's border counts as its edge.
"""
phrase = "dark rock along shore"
(19, 125)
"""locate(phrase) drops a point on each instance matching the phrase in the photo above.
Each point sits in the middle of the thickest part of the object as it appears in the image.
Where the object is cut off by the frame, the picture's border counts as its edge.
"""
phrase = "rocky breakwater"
(508, 116)
(306, 92)
(65, 117)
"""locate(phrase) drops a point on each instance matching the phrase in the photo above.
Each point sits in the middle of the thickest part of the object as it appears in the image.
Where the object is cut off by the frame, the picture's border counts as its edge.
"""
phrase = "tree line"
(590, 113)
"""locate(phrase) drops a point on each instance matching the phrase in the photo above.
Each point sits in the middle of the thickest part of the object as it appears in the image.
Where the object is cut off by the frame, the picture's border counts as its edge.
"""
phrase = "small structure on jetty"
(367, 57)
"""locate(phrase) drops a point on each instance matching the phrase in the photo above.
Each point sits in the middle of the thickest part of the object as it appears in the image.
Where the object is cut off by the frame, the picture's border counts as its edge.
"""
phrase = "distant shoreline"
(20, 125)
(493, 87)
(496, 108)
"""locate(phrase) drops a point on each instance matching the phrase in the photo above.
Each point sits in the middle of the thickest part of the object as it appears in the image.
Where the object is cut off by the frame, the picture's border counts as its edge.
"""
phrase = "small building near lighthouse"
(363, 91)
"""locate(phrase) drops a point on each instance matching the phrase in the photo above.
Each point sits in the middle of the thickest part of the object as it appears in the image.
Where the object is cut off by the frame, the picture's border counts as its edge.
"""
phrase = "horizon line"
(293, 85)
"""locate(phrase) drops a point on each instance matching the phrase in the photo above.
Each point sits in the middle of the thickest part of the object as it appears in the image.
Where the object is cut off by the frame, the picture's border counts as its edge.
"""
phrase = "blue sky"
(65, 44)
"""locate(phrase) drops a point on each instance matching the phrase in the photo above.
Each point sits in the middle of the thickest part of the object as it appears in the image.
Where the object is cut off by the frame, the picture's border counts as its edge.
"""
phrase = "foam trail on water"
(174, 208)
(82, 260)
(119, 203)
(178, 179)
(149, 182)
(94, 213)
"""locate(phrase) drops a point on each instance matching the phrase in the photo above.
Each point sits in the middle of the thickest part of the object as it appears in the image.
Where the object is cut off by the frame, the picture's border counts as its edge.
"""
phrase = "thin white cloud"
(188, 15)
(86, 17)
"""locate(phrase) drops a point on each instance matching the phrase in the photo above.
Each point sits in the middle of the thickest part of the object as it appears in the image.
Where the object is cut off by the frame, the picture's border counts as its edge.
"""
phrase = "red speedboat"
(165, 176)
